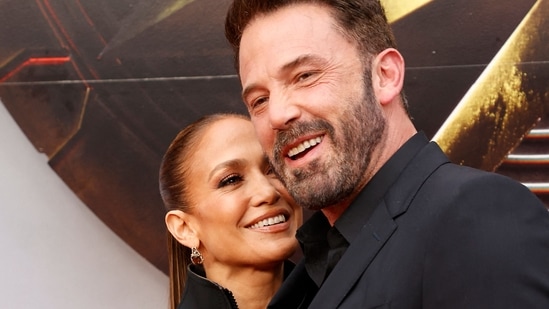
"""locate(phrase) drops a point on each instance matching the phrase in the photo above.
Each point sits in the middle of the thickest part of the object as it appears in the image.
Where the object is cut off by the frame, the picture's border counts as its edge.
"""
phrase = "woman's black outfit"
(202, 293)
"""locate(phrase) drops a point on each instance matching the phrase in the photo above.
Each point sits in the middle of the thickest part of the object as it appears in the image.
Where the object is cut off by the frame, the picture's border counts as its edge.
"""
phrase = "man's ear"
(178, 223)
(388, 75)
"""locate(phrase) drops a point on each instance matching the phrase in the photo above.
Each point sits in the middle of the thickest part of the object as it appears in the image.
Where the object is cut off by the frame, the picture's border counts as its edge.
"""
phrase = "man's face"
(311, 103)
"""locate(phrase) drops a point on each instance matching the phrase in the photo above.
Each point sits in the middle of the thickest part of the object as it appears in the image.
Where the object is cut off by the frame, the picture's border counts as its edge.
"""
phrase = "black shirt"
(322, 244)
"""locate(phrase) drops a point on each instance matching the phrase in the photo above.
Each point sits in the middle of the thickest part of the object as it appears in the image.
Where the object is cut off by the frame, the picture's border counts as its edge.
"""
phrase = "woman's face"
(238, 213)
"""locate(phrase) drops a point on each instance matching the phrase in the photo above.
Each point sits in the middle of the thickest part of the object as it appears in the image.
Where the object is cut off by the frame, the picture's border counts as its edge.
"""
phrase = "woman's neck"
(252, 288)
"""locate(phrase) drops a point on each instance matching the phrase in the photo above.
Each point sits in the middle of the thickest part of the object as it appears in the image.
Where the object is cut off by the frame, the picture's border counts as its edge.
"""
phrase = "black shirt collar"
(313, 234)
(365, 203)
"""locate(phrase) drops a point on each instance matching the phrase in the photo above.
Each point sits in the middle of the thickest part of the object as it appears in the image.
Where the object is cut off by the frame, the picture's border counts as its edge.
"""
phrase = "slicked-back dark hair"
(173, 180)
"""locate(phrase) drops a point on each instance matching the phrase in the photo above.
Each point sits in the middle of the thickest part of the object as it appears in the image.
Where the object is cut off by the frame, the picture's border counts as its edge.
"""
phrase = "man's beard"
(329, 180)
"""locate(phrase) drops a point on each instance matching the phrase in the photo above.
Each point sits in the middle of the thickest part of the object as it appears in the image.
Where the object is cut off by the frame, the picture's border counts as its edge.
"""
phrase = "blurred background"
(93, 91)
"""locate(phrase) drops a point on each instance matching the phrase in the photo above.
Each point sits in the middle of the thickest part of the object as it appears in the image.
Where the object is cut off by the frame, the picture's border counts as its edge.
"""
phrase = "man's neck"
(332, 213)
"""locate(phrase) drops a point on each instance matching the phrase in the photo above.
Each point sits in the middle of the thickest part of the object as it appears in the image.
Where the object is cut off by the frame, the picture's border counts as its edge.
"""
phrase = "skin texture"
(303, 79)
(232, 187)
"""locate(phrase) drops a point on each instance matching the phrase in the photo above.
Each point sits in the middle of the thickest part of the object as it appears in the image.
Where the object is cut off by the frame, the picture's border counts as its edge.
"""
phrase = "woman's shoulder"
(202, 293)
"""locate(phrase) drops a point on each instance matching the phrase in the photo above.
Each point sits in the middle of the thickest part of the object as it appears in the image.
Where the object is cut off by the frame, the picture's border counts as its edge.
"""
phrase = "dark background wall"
(101, 87)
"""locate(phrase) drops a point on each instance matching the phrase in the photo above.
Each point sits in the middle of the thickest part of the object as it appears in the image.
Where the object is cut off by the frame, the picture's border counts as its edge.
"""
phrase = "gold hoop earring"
(196, 256)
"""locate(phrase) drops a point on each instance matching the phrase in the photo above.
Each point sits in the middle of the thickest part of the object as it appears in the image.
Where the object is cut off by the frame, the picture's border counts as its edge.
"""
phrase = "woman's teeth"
(269, 221)
(303, 146)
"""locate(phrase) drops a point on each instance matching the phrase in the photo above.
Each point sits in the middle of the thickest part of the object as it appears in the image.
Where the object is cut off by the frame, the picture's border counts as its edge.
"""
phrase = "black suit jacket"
(445, 236)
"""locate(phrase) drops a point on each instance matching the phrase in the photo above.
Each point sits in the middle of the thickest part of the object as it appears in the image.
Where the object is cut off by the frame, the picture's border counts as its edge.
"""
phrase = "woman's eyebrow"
(236, 163)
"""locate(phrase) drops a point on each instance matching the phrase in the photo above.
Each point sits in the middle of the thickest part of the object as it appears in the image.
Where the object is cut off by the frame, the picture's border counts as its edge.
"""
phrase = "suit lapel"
(296, 291)
(379, 229)
(356, 259)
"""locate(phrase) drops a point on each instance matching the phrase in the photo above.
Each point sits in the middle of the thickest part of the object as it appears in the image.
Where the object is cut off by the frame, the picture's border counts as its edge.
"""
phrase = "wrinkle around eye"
(259, 101)
(252, 98)
(305, 76)
(308, 78)
(258, 106)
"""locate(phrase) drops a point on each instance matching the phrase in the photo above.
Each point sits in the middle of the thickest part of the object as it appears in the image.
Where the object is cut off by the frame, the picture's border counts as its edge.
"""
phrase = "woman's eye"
(230, 180)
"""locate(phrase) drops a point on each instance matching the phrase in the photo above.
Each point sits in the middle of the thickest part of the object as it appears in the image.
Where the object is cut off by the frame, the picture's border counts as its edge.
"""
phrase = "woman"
(231, 229)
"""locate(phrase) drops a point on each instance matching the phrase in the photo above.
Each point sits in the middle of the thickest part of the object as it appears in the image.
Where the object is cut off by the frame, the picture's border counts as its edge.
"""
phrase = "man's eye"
(304, 76)
(259, 101)
(230, 180)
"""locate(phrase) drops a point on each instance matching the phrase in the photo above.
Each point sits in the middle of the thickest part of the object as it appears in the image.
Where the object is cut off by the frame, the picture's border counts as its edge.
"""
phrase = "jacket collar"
(297, 290)
(379, 229)
(377, 188)
(200, 292)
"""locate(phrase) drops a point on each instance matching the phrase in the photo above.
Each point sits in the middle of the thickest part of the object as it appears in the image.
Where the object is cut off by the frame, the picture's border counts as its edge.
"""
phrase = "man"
(399, 226)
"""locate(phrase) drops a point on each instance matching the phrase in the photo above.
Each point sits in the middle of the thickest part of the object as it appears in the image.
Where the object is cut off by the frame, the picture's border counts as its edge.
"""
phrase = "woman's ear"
(388, 75)
(178, 223)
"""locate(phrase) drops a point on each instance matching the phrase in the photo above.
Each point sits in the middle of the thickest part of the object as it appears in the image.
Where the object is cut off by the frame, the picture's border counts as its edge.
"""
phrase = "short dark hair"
(362, 21)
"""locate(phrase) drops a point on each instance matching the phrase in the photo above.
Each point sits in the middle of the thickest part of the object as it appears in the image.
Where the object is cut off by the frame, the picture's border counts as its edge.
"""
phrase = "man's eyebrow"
(247, 91)
(303, 59)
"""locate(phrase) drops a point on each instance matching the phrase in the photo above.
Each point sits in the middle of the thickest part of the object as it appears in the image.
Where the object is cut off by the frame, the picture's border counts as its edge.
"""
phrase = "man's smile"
(304, 146)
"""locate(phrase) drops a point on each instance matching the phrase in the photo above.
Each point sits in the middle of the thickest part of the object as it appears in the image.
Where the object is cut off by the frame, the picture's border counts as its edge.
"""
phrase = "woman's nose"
(264, 192)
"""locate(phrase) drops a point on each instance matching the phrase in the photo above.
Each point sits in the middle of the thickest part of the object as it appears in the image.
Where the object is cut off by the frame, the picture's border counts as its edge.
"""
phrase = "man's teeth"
(305, 145)
(269, 221)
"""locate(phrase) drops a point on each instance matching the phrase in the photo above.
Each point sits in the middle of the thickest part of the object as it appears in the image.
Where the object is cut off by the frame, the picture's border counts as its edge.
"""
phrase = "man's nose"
(283, 110)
